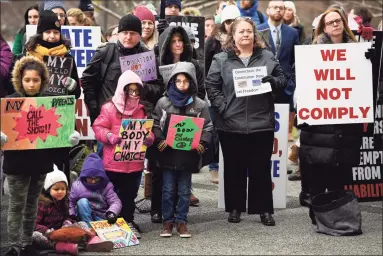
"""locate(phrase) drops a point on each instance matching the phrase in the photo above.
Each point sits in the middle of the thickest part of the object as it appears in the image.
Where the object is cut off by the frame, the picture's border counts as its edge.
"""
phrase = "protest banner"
(133, 133)
(278, 160)
(83, 120)
(143, 64)
(247, 81)
(335, 86)
(166, 71)
(119, 233)
(59, 69)
(37, 122)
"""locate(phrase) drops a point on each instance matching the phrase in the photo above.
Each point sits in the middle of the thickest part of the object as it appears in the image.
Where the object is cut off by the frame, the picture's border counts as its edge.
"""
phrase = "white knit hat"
(54, 177)
(291, 5)
(230, 13)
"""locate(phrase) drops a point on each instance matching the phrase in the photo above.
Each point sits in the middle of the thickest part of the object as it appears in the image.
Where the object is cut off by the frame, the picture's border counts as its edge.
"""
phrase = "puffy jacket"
(5, 66)
(101, 196)
(244, 114)
(331, 144)
(166, 57)
(181, 160)
(98, 89)
(110, 119)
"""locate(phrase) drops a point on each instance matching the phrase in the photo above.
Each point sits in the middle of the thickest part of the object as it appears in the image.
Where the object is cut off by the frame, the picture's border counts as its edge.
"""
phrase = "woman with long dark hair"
(31, 17)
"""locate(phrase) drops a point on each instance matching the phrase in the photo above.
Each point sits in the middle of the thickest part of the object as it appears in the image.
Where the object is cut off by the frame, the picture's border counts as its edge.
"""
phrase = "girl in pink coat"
(127, 103)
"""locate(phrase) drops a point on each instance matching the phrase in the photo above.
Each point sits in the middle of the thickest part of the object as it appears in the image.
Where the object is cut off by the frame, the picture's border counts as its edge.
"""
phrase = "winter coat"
(301, 32)
(98, 89)
(101, 196)
(19, 42)
(257, 16)
(181, 160)
(213, 46)
(166, 57)
(5, 66)
(332, 145)
(27, 162)
(242, 114)
(51, 213)
(110, 119)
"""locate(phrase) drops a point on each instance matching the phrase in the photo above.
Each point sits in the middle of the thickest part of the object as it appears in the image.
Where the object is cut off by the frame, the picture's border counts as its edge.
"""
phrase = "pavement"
(213, 235)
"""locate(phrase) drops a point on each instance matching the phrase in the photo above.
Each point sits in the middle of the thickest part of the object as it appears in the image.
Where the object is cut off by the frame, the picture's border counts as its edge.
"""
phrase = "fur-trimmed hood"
(17, 74)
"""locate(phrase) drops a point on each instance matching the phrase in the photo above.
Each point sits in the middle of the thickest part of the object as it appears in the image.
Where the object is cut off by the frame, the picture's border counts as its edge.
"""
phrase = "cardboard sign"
(143, 64)
(184, 133)
(119, 233)
(59, 69)
(37, 122)
(247, 81)
(83, 120)
(278, 160)
(133, 133)
(166, 71)
(335, 86)
(84, 42)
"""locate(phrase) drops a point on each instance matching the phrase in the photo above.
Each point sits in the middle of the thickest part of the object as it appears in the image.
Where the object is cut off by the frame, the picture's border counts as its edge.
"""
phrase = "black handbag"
(337, 213)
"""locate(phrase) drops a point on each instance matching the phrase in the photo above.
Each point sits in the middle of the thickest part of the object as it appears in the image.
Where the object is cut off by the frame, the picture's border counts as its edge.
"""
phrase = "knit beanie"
(130, 23)
(144, 13)
(175, 2)
(151, 8)
(52, 4)
(86, 6)
(230, 13)
(291, 5)
(54, 177)
(48, 20)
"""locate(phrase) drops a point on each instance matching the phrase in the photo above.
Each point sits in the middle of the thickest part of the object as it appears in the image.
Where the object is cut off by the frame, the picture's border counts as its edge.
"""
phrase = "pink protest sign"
(143, 64)
(184, 133)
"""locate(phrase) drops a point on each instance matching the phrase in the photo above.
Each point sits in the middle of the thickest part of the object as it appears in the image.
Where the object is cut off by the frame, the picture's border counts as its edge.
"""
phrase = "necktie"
(277, 42)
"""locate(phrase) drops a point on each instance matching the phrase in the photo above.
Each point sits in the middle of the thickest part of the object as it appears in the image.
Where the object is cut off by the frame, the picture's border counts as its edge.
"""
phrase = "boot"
(214, 176)
(234, 216)
(97, 245)
(296, 175)
(294, 153)
(291, 126)
(68, 248)
(304, 195)
(194, 201)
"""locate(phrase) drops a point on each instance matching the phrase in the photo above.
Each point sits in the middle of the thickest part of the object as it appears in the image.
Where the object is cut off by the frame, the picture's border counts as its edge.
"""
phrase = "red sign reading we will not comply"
(334, 84)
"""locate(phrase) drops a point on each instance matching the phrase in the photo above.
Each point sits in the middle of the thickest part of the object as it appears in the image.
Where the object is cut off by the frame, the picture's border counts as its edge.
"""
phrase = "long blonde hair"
(79, 16)
(321, 25)
(152, 40)
(230, 43)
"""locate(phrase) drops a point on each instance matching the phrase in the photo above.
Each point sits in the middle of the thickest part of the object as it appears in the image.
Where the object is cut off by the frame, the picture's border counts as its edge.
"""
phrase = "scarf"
(128, 51)
(178, 98)
(325, 39)
(131, 105)
(42, 51)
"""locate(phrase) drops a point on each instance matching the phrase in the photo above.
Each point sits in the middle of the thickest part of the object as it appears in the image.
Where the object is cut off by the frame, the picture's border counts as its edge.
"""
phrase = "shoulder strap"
(106, 60)
(261, 18)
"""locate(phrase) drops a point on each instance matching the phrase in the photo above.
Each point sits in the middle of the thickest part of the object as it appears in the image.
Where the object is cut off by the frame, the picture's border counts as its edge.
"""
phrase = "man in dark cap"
(86, 6)
(172, 7)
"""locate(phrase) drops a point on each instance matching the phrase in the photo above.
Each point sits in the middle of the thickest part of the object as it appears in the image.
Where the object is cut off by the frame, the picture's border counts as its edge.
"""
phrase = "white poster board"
(335, 85)
(247, 81)
(278, 160)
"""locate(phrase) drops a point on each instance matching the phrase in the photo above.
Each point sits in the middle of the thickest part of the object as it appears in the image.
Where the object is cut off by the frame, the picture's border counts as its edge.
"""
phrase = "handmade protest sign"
(166, 71)
(143, 64)
(133, 133)
(59, 69)
(247, 81)
(119, 233)
(184, 133)
(335, 86)
(37, 122)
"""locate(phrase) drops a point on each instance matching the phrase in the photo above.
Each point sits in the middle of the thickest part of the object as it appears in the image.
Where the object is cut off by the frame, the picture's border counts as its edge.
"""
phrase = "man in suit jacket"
(282, 41)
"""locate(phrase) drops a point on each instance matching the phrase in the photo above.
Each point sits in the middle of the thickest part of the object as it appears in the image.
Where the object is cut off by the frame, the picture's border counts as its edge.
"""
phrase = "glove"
(370, 54)
(200, 149)
(149, 140)
(4, 138)
(111, 217)
(162, 145)
(113, 139)
(74, 138)
(271, 80)
(67, 223)
(48, 232)
(70, 84)
(93, 114)
(162, 25)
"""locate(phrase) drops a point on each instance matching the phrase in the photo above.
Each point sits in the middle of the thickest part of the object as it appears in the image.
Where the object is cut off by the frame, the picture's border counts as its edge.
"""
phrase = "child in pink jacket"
(127, 103)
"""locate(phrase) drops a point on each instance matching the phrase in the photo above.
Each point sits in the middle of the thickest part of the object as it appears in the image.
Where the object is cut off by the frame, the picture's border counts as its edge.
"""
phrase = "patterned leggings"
(42, 242)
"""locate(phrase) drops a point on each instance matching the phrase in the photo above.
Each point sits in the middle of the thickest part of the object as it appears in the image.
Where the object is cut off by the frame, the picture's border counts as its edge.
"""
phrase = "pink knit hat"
(144, 13)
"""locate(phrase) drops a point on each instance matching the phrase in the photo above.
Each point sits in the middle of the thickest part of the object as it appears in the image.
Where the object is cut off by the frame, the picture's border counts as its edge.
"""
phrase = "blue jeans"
(214, 166)
(180, 183)
(84, 212)
(100, 149)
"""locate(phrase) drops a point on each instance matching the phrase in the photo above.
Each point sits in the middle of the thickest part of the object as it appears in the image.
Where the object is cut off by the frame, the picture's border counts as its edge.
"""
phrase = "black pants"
(248, 155)
(126, 186)
(156, 199)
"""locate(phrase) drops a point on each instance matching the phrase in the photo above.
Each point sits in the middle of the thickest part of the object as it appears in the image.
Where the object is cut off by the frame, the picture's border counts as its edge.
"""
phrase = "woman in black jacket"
(246, 124)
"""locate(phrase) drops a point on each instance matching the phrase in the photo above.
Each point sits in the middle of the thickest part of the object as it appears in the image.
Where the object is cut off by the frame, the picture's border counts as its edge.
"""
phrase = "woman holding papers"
(244, 118)
(328, 152)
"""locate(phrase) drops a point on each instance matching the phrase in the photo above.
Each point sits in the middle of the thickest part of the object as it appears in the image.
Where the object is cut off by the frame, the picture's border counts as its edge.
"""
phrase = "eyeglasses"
(61, 15)
(277, 8)
(95, 179)
(334, 22)
(179, 82)
(131, 92)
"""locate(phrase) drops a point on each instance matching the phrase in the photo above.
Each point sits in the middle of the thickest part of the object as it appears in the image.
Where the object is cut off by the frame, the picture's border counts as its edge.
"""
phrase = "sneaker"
(12, 252)
(167, 230)
(182, 229)
(135, 229)
(296, 175)
(194, 201)
(214, 176)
